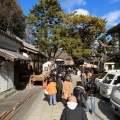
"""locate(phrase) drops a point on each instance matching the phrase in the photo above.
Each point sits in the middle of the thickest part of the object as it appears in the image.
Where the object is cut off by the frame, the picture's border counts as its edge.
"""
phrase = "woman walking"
(51, 88)
(59, 87)
(67, 89)
(79, 92)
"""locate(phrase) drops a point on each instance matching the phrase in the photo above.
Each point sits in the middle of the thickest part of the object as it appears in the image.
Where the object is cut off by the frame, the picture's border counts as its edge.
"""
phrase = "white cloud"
(113, 1)
(113, 18)
(82, 11)
(68, 4)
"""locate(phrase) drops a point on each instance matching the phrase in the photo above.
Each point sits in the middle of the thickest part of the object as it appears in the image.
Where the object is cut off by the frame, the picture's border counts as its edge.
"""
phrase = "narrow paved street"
(37, 108)
(42, 39)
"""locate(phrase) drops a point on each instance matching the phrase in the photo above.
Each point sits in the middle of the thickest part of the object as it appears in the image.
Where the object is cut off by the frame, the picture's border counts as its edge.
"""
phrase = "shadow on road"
(46, 98)
(105, 107)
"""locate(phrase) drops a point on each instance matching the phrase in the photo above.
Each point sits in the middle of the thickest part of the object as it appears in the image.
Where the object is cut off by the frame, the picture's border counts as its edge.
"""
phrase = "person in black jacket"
(90, 89)
(72, 111)
(79, 92)
(59, 87)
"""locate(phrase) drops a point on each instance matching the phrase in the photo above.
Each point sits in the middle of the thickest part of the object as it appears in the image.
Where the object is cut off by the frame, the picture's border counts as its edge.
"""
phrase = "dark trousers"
(64, 101)
(59, 93)
(80, 103)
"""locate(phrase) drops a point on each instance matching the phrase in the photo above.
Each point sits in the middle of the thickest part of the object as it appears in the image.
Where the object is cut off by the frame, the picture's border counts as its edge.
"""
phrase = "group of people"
(59, 90)
(72, 99)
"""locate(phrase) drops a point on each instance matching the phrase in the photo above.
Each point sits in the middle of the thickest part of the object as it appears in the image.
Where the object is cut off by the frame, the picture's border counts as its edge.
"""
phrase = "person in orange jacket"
(51, 88)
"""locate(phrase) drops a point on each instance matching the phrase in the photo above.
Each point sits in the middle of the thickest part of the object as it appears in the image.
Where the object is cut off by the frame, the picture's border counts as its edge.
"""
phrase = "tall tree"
(45, 18)
(12, 18)
(84, 28)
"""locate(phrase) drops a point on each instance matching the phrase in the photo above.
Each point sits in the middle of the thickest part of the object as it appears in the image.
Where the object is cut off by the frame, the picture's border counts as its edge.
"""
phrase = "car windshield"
(102, 75)
(108, 78)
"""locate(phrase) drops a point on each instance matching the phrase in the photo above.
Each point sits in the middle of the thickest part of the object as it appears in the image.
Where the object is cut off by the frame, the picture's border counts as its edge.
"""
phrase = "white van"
(115, 101)
(110, 81)
(102, 76)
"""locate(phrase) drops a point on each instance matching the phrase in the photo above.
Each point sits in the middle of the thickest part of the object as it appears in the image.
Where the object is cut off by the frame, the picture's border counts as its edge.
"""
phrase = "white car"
(111, 80)
(102, 76)
(115, 101)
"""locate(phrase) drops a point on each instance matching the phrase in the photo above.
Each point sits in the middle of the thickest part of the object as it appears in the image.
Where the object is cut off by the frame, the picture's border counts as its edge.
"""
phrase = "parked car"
(115, 100)
(102, 76)
(111, 80)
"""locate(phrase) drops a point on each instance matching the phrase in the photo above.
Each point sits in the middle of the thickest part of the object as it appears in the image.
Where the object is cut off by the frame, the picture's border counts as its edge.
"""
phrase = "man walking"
(72, 111)
(91, 91)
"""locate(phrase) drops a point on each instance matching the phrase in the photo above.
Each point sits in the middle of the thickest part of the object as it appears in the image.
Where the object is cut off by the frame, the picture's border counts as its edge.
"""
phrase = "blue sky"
(109, 9)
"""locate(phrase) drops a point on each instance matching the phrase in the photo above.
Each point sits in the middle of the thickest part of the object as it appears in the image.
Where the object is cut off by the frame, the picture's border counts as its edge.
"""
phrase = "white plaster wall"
(6, 76)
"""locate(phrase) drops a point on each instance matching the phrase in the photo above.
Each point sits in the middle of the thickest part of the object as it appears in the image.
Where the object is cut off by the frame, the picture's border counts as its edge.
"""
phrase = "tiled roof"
(24, 44)
(108, 59)
(97, 59)
(115, 29)
(17, 39)
(31, 47)
(66, 56)
(13, 56)
(63, 55)
(10, 35)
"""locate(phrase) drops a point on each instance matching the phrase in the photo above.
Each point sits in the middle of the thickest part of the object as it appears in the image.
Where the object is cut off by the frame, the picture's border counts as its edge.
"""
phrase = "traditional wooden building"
(10, 59)
(67, 58)
(18, 60)
(38, 57)
(112, 63)
(114, 58)
(115, 29)
(35, 65)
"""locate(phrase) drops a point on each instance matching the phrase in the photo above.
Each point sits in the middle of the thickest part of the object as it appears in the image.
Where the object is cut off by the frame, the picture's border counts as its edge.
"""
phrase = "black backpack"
(63, 77)
(78, 93)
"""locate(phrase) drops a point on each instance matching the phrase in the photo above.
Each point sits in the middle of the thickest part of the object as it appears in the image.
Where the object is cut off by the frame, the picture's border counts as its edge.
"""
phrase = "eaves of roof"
(11, 36)
(13, 56)
(115, 29)
(107, 59)
(43, 54)
(25, 45)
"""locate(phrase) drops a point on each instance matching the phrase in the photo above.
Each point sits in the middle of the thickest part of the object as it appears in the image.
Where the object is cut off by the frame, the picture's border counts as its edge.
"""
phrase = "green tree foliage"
(113, 42)
(107, 45)
(11, 17)
(46, 17)
(54, 29)
(86, 29)
(102, 44)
